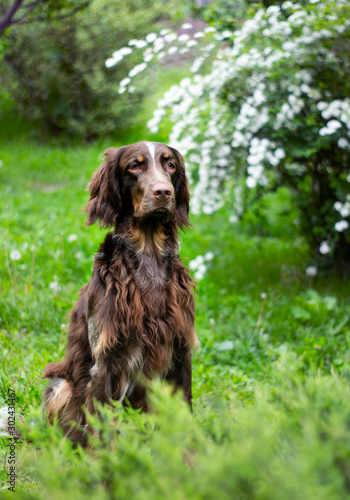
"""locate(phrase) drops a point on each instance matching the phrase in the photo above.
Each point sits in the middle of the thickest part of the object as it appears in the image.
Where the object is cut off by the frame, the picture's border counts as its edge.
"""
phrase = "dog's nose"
(161, 192)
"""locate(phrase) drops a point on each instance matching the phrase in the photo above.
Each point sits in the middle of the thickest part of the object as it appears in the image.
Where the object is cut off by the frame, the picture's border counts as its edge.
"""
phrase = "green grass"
(270, 381)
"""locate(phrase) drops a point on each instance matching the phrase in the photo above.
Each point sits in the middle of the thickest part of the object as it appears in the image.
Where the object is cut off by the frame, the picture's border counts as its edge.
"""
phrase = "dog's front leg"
(110, 377)
(180, 372)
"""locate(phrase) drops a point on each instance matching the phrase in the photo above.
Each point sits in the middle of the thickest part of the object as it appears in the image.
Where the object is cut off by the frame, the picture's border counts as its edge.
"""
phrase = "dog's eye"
(135, 168)
(171, 167)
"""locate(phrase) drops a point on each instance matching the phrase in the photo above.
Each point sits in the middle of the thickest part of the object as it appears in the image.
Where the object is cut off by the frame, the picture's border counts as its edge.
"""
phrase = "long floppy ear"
(105, 201)
(182, 194)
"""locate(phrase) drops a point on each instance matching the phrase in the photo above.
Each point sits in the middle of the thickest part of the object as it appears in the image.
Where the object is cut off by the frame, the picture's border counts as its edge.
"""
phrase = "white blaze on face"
(159, 174)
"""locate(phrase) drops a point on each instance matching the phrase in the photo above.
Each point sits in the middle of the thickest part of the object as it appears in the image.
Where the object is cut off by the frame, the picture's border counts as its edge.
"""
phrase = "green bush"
(291, 443)
(55, 71)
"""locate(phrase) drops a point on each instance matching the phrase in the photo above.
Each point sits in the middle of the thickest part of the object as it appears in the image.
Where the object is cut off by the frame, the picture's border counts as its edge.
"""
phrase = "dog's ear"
(105, 201)
(182, 193)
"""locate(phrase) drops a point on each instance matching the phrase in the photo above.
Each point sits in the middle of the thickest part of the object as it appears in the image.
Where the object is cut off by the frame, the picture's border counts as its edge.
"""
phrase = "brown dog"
(135, 318)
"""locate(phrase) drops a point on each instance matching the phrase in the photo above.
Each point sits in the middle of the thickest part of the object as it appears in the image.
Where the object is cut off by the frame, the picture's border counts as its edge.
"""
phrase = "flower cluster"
(199, 265)
(273, 106)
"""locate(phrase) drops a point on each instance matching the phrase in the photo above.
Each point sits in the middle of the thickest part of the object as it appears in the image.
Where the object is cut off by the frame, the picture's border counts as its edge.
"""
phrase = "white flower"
(321, 106)
(124, 51)
(15, 255)
(202, 268)
(251, 182)
(233, 218)
(226, 34)
(72, 237)
(341, 226)
(172, 50)
(209, 256)
(151, 37)
(200, 259)
(170, 37)
(193, 264)
(54, 286)
(324, 248)
(343, 143)
(330, 128)
(273, 9)
(279, 153)
(200, 273)
(186, 26)
(311, 271)
(125, 82)
(110, 62)
(227, 345)
(137, 69)
(191, 43)
(184, 37)
(140, 44)
(334, 124)
(345, 210)
(197, 63)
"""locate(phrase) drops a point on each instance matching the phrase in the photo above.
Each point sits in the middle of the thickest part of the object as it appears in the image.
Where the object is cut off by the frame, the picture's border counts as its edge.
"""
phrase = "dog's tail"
(63, 402)
(56, 396)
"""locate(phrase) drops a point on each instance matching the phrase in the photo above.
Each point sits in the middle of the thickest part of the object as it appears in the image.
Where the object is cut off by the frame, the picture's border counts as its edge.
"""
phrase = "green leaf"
(300, 313)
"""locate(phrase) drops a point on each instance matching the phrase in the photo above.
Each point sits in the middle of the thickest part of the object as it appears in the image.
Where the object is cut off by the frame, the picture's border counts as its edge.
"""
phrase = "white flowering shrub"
(199, 265)
(270, 103)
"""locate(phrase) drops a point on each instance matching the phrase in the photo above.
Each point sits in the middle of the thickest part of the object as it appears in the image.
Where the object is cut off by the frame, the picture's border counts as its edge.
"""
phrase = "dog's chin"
(157, 214)
(160, 212)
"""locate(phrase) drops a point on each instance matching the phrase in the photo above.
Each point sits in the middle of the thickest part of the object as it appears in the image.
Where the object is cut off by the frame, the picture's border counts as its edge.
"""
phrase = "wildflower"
(343, 143)
(251, 182)
(341, 226)
(227, 345)
(209, 256)
(200, 273)
(15, 255)
(110, 62)
(72, 237)
(151, 37)
(54, 286)
(137, 69)
(311, 271)
(184, 38)
(324, 248)
(125, 82)
(233, 218)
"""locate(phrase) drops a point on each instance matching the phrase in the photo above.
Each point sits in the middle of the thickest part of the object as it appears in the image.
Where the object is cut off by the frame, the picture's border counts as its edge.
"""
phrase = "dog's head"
(144, 180)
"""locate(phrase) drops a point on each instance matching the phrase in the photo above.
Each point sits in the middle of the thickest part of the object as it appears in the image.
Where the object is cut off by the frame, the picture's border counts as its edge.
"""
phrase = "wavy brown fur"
(135, 318)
